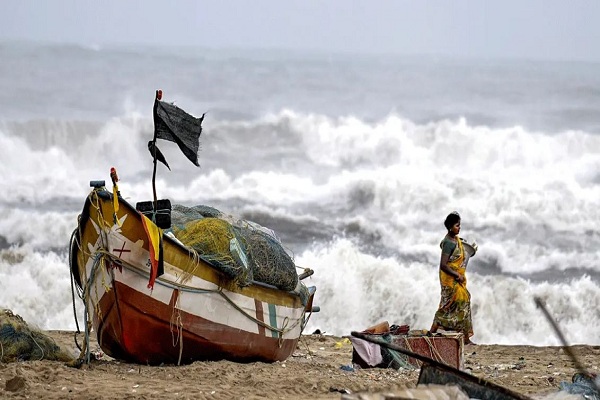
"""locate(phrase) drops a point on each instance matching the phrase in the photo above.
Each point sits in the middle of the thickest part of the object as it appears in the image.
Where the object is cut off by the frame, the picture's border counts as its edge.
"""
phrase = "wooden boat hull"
(193, 312)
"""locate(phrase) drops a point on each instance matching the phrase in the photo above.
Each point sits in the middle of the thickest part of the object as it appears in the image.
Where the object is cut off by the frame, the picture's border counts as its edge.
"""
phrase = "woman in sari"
(454, 311)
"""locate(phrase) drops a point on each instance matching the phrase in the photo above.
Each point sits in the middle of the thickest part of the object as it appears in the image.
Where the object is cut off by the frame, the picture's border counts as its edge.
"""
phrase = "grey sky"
(531, 29)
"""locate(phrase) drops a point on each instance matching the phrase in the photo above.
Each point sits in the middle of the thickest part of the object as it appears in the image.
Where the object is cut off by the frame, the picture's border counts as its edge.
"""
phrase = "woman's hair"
(451, 219)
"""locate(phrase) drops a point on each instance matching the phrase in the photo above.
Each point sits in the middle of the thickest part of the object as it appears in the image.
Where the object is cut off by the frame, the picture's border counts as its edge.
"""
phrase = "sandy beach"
(313, 372)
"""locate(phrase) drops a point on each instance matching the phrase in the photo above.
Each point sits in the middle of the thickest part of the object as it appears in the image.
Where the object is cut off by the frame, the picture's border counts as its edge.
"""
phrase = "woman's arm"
(444, 267)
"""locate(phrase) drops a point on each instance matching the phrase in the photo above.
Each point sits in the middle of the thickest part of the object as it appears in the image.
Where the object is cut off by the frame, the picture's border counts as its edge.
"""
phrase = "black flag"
(156, 153)
(173, 124)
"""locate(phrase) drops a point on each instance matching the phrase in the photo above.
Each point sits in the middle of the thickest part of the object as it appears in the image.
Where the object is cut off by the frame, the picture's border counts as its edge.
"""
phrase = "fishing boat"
(152, 299)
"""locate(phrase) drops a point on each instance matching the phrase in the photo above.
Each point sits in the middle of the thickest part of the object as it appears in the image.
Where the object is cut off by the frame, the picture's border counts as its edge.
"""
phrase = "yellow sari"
(454, 311)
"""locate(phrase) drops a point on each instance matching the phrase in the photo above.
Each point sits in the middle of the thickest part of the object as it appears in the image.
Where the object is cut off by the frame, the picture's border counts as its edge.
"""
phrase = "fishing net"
(18, 342)
(216, 240)
(270, 263)
(304, 294)
(392, 358)
(181, 215)
(242, 249)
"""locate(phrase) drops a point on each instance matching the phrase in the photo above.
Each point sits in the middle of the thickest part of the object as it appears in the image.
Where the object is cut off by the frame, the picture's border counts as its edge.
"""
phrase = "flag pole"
(154, 115)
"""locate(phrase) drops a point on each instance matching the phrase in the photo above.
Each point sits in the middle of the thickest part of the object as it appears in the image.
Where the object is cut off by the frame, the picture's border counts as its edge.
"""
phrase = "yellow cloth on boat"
(454, 311)
(116, 204)
(115, 198)
(154, 234)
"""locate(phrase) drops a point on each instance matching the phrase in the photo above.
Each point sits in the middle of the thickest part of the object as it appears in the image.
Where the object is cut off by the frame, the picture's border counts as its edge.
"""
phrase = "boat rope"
(306, 321)
(178, 322)
(87, 318)
(71, 266)
(38, 345)
(434, 351)
(76, 237)
(283, 326)
(281, 331)
(409, 348)
(189, 271)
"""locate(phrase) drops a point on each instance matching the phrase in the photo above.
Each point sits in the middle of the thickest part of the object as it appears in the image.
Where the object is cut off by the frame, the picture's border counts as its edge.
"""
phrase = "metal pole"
(540, 303)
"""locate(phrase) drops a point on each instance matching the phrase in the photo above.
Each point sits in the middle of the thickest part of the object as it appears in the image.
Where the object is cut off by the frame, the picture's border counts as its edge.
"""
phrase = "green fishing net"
(19, 342)
(241, 249)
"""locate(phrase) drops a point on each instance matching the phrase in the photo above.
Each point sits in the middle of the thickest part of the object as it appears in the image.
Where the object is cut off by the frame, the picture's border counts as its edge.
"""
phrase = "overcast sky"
(530, 29)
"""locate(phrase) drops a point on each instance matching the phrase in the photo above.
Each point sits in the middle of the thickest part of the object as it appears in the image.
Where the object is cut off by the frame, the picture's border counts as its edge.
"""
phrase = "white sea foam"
(36, 285)
(40, 230)
(357, 290)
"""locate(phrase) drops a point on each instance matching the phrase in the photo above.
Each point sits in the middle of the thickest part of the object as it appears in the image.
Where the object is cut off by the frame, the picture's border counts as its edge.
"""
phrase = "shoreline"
(313, 371)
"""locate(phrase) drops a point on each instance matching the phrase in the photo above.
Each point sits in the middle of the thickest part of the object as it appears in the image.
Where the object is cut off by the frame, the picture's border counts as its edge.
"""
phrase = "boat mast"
(154, 116)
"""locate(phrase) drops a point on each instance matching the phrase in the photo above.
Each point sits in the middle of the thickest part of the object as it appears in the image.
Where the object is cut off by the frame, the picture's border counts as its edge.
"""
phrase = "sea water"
(353, 160)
